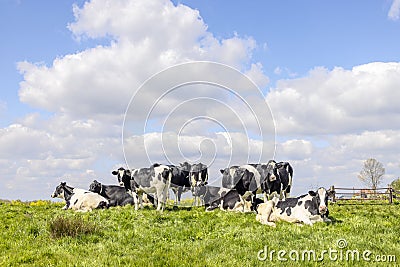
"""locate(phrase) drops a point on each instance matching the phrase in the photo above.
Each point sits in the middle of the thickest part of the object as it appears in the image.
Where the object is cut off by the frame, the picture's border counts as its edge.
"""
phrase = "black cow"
(198, 177)
(198, 174)
(307, 209)
(223, 198)
(180, 181)
(278, 180)
(117, 195)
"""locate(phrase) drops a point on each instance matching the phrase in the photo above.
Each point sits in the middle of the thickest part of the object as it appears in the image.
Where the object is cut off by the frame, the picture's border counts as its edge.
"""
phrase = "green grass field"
(41, 234)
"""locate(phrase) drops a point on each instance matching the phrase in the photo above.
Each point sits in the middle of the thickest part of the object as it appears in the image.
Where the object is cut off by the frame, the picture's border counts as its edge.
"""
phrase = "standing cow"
(79, 199)
(198, 177)
(155, 179)
(180, 181)
(122, 175)
(277, 179)
(307, 209)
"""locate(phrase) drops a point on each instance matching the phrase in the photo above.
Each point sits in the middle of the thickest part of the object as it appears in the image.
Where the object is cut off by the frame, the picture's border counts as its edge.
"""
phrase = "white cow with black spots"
(307, 209)
(79, 199)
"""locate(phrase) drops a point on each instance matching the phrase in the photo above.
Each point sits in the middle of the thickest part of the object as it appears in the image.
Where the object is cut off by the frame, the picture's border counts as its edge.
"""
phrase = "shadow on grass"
(334, 221)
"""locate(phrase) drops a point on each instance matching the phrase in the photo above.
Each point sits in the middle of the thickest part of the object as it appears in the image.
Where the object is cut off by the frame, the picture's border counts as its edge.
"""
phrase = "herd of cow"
(240, 187)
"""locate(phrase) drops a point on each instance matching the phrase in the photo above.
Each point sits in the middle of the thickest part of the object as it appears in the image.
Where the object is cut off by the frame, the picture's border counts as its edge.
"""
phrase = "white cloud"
(394, 11)
(148, 36)
(87, 92)
(338, 101)
(352, 113)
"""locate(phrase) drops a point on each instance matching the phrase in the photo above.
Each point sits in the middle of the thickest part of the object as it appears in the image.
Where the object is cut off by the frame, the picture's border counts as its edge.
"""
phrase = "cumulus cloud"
(147, 36)
(327, 122)
(86, 93)
(394, 11)
(338, 101)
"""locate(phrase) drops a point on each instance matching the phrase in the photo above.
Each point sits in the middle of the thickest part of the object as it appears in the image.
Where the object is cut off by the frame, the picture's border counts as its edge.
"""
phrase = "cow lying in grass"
(116, 195)
(222, 198)
(307, 209)
(79, 199)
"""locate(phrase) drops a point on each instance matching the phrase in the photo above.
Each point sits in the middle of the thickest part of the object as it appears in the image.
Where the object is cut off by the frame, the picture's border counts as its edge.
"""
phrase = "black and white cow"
(198, 174)
(155, 179)
(246, 179)
(116, 195)
(223, 198)
(277, 180)
(307, 209)
(125, 175)
(79, 199)
(180, 181)
(198, 177)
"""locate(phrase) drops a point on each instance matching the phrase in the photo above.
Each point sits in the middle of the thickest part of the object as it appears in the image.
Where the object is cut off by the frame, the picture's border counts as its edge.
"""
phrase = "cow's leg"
(326, 219)
(287, 190)
(265, 197)
(135, 200)
(265, 215)
(305, 219)
(161, 197)
(140, 200)
(195, 201)
(180, 189)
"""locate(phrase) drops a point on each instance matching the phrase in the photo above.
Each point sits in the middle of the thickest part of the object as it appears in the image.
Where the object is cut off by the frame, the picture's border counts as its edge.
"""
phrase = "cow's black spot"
(86, 192)
(289, 211)
(311, 206)
(300, 202)
(76, 201)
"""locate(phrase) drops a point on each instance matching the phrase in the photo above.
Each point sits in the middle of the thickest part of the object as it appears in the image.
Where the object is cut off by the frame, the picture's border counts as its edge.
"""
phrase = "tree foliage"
(372, 173)
(396, 184)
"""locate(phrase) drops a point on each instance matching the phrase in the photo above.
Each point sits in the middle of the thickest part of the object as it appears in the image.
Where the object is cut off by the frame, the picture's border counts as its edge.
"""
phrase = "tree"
(372, 173)
(396, 184)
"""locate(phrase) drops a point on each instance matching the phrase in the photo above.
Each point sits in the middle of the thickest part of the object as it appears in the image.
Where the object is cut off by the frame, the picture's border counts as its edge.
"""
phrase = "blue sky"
(287, 47)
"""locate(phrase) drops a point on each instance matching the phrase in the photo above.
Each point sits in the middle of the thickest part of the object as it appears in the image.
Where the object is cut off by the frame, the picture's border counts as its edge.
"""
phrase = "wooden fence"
(364, 194)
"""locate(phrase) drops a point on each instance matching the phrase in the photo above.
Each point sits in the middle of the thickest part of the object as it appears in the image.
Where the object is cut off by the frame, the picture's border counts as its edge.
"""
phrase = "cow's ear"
(312, 193)
(63, 183)
(330, 193)
(222, 171)
(114, 172)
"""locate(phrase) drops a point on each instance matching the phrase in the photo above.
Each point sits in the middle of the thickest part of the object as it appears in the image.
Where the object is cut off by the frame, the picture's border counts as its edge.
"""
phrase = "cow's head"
(59, 191)
(198, 174)
(122, 175)
(272, 174)
(166, 173)
(228, 177)
(185, 166)
(321, 198)
(95, 187)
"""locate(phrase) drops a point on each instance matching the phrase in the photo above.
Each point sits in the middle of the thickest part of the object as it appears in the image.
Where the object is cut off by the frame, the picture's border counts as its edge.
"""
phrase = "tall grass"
(63, 226)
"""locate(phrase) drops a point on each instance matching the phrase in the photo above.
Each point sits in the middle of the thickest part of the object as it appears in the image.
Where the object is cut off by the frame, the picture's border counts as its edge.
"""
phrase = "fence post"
(390, 195)
(332, 189)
